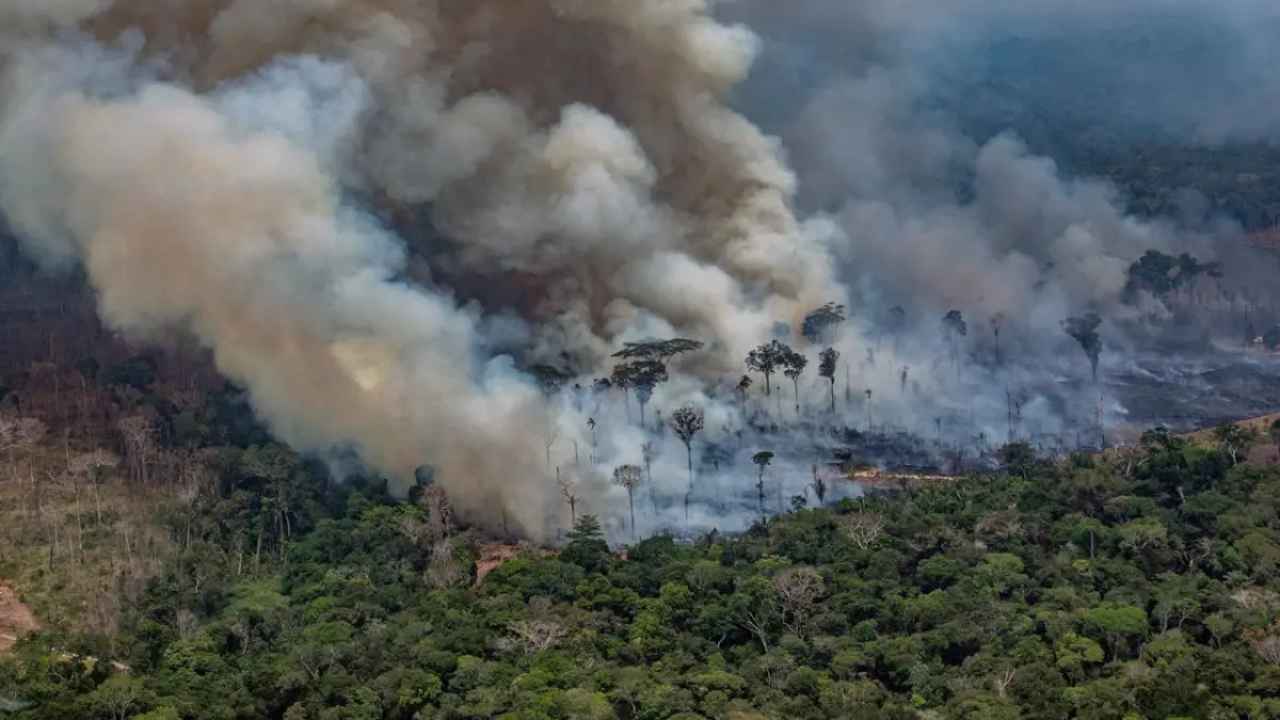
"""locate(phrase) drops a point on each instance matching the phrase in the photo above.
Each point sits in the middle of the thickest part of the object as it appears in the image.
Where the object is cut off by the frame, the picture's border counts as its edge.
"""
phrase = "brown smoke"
(582, 146)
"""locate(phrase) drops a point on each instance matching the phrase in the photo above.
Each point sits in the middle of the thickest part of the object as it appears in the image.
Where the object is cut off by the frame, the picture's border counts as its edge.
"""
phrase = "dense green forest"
(1142, 584)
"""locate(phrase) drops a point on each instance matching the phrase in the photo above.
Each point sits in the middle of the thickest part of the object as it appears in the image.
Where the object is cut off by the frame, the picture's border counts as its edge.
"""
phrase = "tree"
(591, 425)
(954, 328)
(644, 376)
(863, 528)
(1274, 432)
(819, 486)
(1160, 274)
(1117, 623)
(535, 636)
(766, 360)
(762, 460)
(274, 465)
(1236, 440)
(21, 434)
(118, 698)
(997, 324)
(570, 494)
(587, 548)
(93, 466)
(623, 378)
(629, 478)
(687, 422)
(744, 384)
(799, 589)
(827, 361)
(895, 323)
(139, 436)
(793, 364)
(818, 324)
(660, 350)
(1085, 331)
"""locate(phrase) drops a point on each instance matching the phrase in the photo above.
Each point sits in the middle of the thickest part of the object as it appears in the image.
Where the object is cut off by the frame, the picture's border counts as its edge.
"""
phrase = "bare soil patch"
(16, 619)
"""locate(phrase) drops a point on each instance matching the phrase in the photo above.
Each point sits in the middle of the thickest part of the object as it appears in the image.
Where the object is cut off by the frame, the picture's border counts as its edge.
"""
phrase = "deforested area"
(719, 359)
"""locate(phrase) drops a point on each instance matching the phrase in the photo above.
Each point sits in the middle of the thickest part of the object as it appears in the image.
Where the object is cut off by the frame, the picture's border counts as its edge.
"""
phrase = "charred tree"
(629, 477)
(827, 361)
(819, 325)
(687, 422)
(1085, 331)
(762, 461)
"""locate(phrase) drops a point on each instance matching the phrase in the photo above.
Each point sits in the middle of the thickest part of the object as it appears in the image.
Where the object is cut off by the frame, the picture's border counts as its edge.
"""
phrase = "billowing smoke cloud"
(375, 212)
(201, 162)
(905, 123)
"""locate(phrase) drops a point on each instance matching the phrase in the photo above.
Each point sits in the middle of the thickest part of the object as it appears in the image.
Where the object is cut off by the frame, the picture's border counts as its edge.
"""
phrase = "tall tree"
(895, 323)
(649, 453)
(819, 486)
(623, 377)
(766, 360)
(1085, 331)
(645, 375)
(660, 350)
(591, 425)
(587, 547)
(688, 422)
(793, 365)
(819, 325)
(827, 361)
(570, 494)
(997, 325)
(953, 328)
(1236, 440)
(762, 461)
(629, 477)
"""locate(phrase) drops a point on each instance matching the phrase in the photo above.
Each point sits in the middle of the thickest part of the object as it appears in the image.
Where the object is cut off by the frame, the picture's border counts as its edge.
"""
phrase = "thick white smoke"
(199, 161)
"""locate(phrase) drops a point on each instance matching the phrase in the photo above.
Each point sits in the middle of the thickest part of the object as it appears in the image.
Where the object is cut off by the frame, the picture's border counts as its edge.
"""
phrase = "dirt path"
(16, 618)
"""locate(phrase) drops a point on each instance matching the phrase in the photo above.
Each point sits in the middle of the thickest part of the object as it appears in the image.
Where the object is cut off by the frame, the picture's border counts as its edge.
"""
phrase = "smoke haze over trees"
(375, 214)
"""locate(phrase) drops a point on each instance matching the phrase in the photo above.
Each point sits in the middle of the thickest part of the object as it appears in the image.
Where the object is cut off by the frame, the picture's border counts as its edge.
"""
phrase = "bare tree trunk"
(79, 521)
(689, 451)
(257, 553)
(97, 499)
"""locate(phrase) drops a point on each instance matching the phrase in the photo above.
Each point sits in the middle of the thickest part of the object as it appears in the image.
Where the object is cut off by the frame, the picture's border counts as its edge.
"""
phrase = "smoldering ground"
(255, 176)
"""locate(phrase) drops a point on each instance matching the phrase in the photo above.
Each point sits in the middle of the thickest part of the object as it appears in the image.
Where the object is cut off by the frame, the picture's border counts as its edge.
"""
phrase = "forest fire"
(635, 303)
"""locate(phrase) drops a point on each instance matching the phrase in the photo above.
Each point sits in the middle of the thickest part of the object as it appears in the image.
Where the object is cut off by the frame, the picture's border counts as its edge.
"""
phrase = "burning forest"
(574, 256)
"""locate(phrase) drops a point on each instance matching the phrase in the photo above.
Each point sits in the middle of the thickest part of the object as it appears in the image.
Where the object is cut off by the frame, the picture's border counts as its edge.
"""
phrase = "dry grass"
(1263, 453)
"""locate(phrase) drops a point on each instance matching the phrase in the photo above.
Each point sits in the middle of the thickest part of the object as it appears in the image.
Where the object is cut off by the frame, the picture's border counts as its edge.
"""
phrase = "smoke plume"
(377, 213)
(228, 170)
